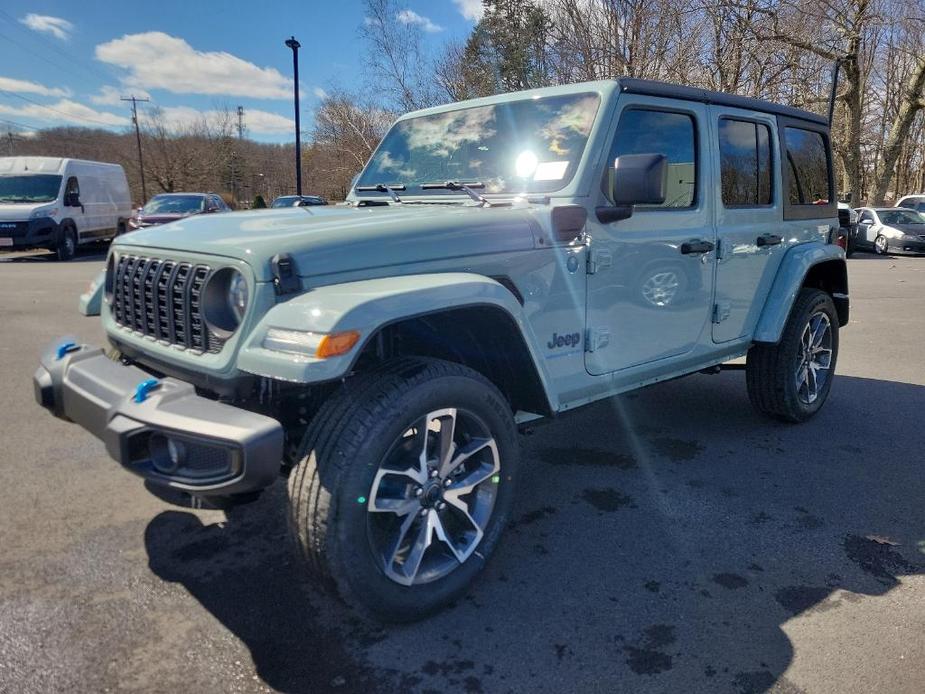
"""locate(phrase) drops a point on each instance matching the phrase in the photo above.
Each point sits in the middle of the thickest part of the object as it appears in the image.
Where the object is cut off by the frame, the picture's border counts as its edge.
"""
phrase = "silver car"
(887, 230)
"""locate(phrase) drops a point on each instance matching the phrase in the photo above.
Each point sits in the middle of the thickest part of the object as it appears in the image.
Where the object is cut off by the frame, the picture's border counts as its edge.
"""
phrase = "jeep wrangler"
(498, 261)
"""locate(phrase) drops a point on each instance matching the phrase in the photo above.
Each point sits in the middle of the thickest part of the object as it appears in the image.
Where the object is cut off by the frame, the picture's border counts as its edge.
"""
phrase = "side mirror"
(866, 222)
(635, 179)
(72, 200)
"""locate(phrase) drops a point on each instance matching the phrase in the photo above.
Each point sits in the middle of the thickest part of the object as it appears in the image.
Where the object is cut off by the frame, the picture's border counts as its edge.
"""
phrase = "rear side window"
(642, 131)
(745, 163)
(808, 165)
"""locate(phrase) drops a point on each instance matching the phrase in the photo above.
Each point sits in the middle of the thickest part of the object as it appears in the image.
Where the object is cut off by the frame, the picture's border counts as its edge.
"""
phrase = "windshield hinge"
(285, 274)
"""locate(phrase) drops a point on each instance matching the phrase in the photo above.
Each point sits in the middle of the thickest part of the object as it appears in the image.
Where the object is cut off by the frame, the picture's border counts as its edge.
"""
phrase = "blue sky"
(67, 62)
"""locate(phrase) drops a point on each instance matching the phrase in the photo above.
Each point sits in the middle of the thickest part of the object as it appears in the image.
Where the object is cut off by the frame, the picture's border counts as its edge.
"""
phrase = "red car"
(168, 207)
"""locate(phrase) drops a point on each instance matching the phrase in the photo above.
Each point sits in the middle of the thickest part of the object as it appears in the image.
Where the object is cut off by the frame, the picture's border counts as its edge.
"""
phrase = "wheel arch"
(817, 265)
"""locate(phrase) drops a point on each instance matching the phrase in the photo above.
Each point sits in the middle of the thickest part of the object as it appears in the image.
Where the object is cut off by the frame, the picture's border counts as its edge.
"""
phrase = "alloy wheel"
(814, 358)
(432, 496)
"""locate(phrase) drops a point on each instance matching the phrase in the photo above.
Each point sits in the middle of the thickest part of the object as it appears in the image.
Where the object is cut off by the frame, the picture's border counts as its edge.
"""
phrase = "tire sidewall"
(352, 551)
(819, 301)
(886, 245)
(63, 252)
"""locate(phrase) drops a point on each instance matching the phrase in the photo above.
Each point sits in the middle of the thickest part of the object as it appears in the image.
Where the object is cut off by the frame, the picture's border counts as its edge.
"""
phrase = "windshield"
(33, 188)
(527, 146)
(900, 217)
(174, 204)
(287, 201)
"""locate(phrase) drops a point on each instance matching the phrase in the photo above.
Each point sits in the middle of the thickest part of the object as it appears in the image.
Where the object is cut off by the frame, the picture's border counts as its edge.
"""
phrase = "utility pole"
(234, 179)
(240, 122)
(295, 46)
(11, 138)
(141, 162)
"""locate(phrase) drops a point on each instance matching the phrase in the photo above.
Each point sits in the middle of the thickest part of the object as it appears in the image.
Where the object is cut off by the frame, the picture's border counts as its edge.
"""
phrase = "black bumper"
(36, 233)
(167, 434)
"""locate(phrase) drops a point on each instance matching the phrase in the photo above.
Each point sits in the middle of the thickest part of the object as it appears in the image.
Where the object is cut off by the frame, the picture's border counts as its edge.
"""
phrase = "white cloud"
(470, 9)
(320, 93)
(412, 17)
(9, 84)
(257, 121)
(66, 111)
(156, 60)
(112, 96)
(57, 27)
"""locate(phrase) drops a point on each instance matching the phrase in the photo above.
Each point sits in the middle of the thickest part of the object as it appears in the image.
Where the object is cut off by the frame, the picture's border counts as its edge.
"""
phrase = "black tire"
(881, 248)
(771, 370)
(66, 247)
(337, 462)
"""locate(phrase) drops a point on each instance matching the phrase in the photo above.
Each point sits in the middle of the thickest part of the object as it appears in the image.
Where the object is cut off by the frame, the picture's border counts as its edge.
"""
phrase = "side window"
(745, 163)
(921, 207)
(642, 131)
(909, 204)
(72, 186)
(865, 217)
(808, 164)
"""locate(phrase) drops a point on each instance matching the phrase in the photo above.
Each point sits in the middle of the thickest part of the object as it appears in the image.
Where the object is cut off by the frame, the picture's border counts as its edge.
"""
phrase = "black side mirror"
(635, 179)
(72, 200)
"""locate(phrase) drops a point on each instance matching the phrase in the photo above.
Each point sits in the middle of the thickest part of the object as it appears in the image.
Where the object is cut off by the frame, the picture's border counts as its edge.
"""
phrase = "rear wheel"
(67, 244)
(403, 486)
(791, 379)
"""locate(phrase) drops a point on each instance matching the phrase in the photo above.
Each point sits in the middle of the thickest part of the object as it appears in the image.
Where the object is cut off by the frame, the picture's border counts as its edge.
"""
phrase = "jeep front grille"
(162, 299)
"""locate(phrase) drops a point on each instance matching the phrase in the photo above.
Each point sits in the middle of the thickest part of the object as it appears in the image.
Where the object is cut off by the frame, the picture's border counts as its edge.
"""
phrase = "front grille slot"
(163, 299)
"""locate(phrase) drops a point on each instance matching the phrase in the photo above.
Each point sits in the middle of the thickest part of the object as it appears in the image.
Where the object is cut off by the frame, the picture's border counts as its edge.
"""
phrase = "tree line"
(779, 50)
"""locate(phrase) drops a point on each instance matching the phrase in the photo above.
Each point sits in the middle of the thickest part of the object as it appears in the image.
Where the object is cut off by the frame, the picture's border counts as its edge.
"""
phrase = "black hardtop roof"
(675, 91)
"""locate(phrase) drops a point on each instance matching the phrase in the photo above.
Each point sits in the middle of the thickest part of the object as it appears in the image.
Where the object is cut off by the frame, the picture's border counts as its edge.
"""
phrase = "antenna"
(141, 163)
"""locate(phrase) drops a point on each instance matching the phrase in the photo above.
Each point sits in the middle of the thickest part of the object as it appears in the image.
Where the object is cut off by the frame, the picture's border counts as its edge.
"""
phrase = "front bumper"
(40, 232)
(906, 246)
(169, 434)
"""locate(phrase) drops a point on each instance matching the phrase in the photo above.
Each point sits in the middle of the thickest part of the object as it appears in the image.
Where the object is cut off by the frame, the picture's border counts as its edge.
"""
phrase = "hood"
(160, 218)
(911, 229)
(328, 240)
(19, 212)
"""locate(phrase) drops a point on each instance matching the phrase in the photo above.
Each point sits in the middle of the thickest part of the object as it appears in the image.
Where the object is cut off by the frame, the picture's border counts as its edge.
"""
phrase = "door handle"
(768, 240)
(696, 246)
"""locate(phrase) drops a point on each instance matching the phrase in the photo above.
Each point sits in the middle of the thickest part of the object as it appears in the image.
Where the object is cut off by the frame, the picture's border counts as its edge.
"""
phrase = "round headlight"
(224, 301)
(237, 295)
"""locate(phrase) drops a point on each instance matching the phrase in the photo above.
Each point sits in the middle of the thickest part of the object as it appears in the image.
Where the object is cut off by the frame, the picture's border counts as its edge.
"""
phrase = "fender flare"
(367, 306)
(791, 275)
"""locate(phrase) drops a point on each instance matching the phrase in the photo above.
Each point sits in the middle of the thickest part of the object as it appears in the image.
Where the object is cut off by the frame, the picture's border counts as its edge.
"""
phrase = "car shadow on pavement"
(667, 540)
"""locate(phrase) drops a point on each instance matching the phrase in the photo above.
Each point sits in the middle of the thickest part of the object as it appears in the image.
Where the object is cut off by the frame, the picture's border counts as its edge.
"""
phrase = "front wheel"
(791, 380)
(403, 486)
(67, 244)
(882, 245)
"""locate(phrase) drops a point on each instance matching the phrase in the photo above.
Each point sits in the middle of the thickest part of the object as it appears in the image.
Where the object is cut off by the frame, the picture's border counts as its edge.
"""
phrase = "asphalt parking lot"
(669, 540)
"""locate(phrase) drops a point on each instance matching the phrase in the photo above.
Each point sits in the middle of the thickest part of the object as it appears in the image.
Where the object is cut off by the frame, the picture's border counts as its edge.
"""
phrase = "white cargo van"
(54, 203)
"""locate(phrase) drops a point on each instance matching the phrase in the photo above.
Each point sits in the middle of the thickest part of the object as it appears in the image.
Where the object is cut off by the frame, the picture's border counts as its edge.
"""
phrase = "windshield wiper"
(18, 200)
(467, 188)
(384, 188)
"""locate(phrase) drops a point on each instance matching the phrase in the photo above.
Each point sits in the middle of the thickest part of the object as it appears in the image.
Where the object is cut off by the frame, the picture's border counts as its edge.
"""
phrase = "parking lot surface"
(667, 540)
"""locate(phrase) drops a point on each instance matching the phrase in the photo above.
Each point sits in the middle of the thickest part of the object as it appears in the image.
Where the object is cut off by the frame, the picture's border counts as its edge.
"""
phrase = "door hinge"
(596, 338)
(720, 249)
(721, 311)
(599, 259)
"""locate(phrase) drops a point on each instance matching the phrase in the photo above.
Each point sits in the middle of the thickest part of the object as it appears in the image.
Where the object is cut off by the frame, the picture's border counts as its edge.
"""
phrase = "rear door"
(650, 276)
(751, 240)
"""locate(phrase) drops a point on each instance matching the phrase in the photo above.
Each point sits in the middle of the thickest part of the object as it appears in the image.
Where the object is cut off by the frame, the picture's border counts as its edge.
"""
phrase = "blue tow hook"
(64, 348)
(145, 387)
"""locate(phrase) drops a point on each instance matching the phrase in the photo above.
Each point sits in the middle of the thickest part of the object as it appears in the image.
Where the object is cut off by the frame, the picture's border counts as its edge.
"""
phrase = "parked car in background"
(298, 201)
(59, 204)
(168, 207)
(887, 230)
(848, 228)
(912, 202)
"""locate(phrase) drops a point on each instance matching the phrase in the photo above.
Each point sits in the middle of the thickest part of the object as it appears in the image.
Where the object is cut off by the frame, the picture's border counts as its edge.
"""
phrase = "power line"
(141, 162)
(54, 110)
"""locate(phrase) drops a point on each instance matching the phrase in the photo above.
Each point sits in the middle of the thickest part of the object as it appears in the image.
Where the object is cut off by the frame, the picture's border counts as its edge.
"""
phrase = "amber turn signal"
(337, 344)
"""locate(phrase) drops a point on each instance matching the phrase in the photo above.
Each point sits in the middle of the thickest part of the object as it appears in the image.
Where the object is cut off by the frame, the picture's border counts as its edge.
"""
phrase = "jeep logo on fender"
(569, 340)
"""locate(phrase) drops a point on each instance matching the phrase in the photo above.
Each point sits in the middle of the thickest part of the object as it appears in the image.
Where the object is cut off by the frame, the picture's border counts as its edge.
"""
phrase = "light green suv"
(499, 261)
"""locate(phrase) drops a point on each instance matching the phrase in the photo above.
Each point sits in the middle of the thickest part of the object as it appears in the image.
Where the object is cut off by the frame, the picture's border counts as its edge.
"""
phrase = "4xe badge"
(568, 340)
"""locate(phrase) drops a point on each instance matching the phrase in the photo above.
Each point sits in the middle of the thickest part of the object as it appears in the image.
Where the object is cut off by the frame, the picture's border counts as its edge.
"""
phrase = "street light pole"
(295, 46)
(141, 162)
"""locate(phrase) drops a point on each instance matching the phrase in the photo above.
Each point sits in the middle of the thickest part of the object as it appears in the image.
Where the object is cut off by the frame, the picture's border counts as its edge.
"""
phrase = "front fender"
(791, 274)
(91, 301)
(367, 306)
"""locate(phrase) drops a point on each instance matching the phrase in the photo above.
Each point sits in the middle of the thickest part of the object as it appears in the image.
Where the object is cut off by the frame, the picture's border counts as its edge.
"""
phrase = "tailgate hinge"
(599, 259)
(596, 338)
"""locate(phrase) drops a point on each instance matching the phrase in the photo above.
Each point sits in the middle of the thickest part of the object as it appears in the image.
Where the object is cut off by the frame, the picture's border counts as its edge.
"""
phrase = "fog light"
(167, 454)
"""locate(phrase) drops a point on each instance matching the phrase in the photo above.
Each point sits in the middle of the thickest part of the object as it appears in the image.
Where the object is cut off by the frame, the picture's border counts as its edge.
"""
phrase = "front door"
(748, 218)
(650, 276)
